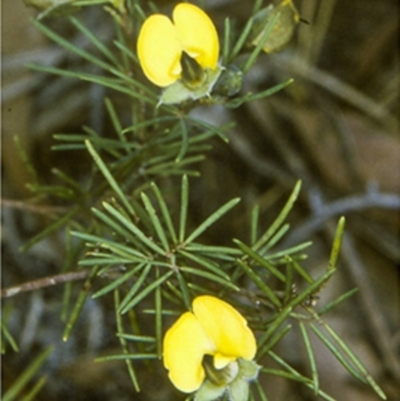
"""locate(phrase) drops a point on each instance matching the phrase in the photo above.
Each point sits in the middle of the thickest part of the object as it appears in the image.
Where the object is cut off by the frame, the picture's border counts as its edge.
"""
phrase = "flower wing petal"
(185, 344)
(226, 327)
(159, 50)
(197, 33)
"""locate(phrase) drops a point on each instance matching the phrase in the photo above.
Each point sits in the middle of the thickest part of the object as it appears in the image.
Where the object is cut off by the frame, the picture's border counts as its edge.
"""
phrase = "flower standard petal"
(159, 50)
(197, 33)
(185, 345)
(226, 327)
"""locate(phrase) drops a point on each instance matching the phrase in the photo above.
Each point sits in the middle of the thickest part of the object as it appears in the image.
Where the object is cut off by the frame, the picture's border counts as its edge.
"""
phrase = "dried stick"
(44, 282)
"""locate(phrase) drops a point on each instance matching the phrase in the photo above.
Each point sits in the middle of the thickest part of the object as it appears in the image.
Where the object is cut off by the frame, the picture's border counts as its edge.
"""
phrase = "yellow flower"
(163, 44)
(213, 328)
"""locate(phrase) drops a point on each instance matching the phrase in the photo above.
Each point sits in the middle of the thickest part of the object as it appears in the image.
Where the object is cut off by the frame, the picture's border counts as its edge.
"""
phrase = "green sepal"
(248, 370)
(238, 390)
(209, 391)
(178, 92)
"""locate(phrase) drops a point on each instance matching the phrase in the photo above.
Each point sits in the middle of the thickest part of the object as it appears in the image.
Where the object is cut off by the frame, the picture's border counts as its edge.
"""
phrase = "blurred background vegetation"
(335, 128)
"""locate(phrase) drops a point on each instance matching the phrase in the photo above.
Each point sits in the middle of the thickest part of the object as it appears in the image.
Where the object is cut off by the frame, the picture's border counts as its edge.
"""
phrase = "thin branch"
(44, 282)
(40, 209)
(324, 212)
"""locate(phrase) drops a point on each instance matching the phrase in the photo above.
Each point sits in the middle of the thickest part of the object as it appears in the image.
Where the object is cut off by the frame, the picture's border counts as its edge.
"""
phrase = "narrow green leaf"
(255, 214)
(66, 301)
(280, 219)
(119, 249)
(52, 227)
(184, 208)
(138, 338)
(108, 176)
(214, 251)
(110, 261)
(177, 292)
(260, 260)
(122, 340)
(200, 289)
(136, 330)
(337, 243)
(147, 291)
(275, 238)
(205, 263)
(116, 283)
(35, 390)
(303, 273)
(79, 304)
(184, 140)
(26, 376)
(288, 283)
(156, 221)
(112, 83)
(7, 335)
(93, 38)
(216, 130)
(312, 289)
(260, 283)
(241, 40)
(165, 212)
(262, 351)
(336, 353)
(212, 219)
(68, 147)
(148, 123)
(125, 357)
(209, 276)
(251, 97)
(251, 395)
(260, 391)
(68, 180)
(257, 50)
(355, 360)
(278, 320)
(135, 288)
(311, 357)
(286, 375)
(286, 252)
(296, 375)
(126, 52)
(158, 316)
(131, 227)
(69, 46)
(23, 155)
(257, 5)
(184, 290)
(227, 35)
(337, 301)
(115, 120)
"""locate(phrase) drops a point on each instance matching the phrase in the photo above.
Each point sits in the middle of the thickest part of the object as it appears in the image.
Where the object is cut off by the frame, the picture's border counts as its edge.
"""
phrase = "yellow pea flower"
(162, 43)
(215, 329)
